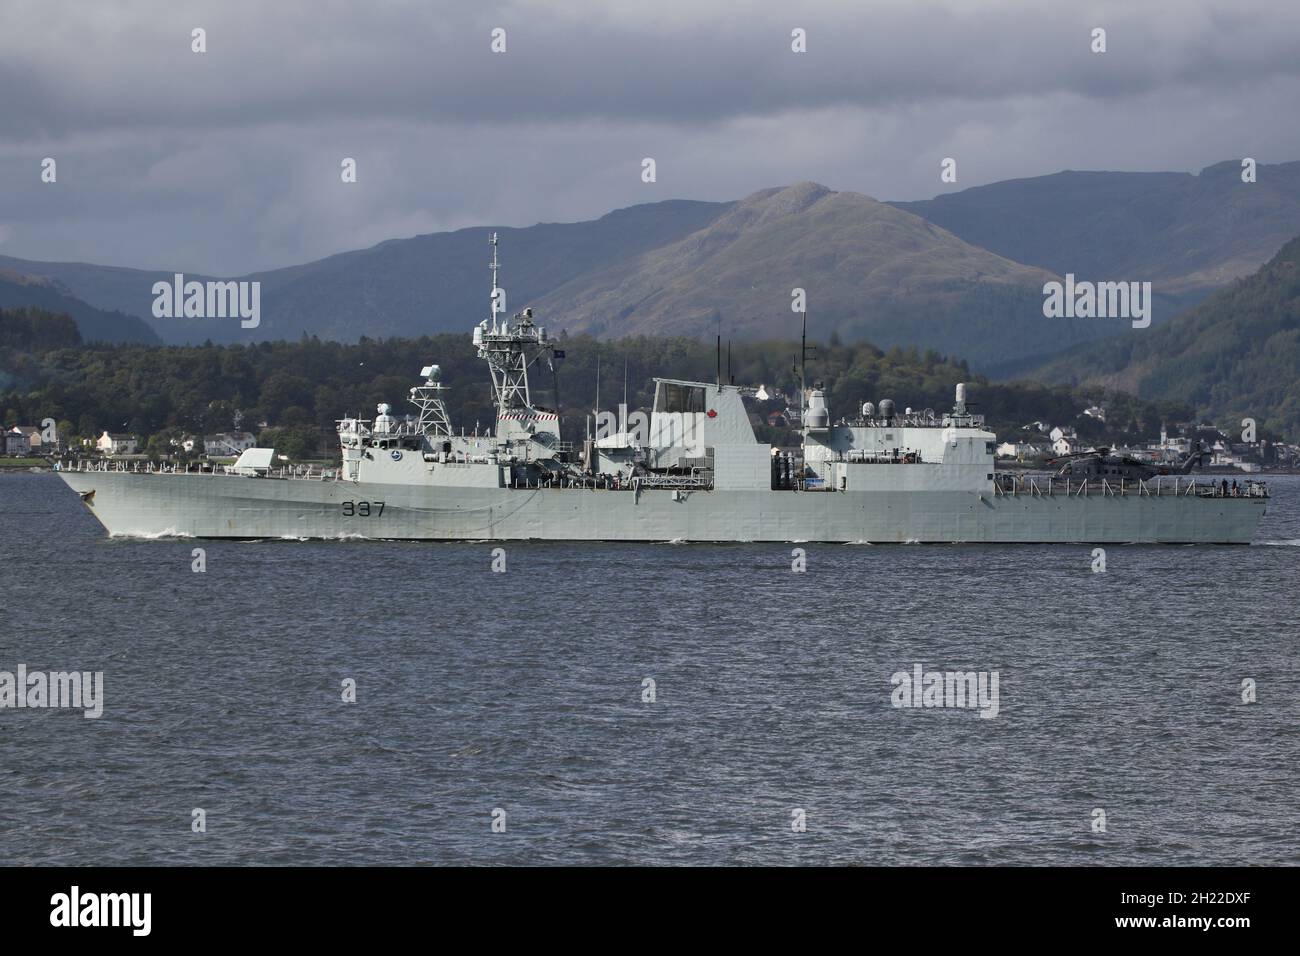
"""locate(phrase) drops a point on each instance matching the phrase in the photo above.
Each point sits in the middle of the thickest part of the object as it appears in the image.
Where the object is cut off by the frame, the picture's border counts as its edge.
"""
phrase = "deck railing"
(91, 466)
(1034, 486)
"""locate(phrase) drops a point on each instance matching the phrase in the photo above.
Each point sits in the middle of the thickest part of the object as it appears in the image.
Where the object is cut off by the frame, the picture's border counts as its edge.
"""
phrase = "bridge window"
(680, 398)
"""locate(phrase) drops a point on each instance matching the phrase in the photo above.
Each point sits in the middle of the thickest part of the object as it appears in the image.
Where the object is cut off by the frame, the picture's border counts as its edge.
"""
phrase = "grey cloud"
(228, 162)
(431, 62)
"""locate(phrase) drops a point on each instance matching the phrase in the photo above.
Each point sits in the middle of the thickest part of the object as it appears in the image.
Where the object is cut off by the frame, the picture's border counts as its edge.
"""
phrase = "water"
(522, 691)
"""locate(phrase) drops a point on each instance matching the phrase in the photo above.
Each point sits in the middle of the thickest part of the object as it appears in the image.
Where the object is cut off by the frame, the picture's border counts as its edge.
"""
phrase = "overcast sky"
(228, 161)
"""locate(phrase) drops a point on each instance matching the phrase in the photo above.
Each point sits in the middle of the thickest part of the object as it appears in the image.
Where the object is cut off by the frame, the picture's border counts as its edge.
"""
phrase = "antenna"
(496, 265)
(597, 381)
(624, 378)
(731, 379)
(803, 385)
(719, 376)
(803, 365)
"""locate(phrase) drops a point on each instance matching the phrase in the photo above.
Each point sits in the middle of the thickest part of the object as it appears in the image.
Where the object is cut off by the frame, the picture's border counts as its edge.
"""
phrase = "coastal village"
(34, 442)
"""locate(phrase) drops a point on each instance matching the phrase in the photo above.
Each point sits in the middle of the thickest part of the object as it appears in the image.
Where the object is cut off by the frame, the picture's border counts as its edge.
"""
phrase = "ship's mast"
(428, 399)
(510, 347)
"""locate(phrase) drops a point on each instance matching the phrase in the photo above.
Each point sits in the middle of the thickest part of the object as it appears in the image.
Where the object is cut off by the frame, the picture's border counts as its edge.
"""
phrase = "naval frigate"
(691, 471)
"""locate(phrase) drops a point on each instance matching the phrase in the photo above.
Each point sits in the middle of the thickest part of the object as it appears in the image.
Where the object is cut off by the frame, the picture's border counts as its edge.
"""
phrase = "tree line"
(299, 389)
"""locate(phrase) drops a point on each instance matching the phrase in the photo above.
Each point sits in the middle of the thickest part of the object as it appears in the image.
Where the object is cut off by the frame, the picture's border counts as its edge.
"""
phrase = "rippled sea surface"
(523, 692)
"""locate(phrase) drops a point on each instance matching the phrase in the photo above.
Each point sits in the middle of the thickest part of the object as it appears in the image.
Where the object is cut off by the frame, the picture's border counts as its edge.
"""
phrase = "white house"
(1064, 441)
(114, 444)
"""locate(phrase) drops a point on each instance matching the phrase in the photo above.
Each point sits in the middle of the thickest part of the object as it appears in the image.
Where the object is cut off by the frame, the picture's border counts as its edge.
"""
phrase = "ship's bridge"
(715, 413)
(695, 428)
(697, 425)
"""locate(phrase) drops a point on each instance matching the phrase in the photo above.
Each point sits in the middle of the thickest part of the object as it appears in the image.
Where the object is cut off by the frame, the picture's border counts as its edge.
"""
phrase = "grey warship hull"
(691, 470)
(228, 506)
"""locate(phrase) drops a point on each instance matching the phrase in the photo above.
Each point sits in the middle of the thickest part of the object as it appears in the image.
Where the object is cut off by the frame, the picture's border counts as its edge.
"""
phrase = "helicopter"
(1100, 463)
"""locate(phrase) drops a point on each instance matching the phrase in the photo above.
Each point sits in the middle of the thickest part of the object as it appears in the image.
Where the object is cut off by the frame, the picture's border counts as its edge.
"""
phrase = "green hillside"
(1236, 355)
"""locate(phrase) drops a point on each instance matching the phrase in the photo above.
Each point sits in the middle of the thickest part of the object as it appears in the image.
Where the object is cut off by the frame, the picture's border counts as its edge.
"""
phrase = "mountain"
(18, 290)
(1186, 234)
(662, 268)
(1236, 355)
(962, 273)
(870, 271)
(402, 287)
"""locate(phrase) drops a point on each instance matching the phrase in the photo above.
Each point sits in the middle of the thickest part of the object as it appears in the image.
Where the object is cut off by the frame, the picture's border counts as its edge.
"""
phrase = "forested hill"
(37, 330)
(305, 386)
(1236, 355)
